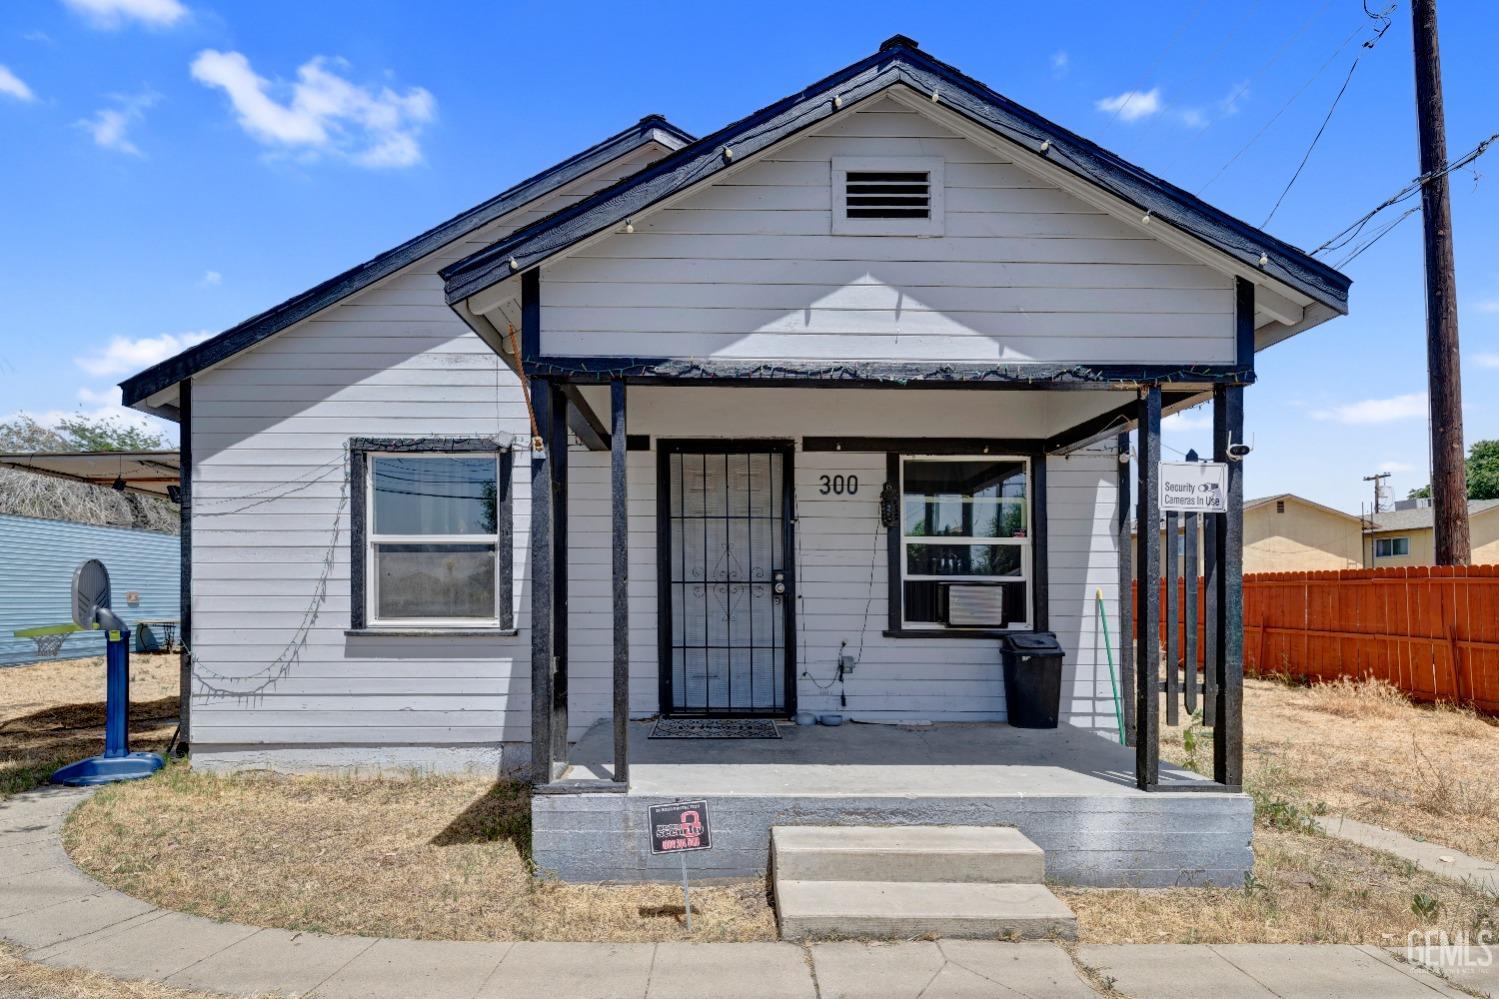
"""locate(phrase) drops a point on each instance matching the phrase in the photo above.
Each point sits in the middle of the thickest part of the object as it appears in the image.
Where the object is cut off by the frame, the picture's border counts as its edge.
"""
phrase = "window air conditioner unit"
(973, 605)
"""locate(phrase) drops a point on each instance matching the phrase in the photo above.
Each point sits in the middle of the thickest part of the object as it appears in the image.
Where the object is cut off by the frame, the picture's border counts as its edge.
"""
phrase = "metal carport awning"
(150, 473)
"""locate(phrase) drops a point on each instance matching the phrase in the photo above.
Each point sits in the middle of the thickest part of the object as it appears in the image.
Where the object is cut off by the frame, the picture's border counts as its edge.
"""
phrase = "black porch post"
(185, 596)
(1228, 732)
(1126, 605)
(548, 585)
(1148, 599)
(619, 494)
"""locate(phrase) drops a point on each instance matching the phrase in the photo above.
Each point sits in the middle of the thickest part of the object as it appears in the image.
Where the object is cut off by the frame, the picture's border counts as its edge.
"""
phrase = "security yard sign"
(1194, 486)
(680, 827)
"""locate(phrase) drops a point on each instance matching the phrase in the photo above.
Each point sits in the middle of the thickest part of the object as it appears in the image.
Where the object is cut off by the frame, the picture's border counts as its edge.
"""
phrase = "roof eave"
(696, 163)
(137, 389)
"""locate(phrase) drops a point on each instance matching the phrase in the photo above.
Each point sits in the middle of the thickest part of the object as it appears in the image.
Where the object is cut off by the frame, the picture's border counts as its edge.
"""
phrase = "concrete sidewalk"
(59, 916)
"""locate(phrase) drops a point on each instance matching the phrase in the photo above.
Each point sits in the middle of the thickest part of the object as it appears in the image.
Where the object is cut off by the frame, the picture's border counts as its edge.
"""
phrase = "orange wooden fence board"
(1432, 631)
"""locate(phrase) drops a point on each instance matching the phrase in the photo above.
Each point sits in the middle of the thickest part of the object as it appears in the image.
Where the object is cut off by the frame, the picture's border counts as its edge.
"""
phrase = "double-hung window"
(965, 555)
(432, 539)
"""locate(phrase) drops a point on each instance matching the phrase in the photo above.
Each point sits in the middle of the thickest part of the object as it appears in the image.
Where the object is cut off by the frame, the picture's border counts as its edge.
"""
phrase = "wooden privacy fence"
(1432, 631)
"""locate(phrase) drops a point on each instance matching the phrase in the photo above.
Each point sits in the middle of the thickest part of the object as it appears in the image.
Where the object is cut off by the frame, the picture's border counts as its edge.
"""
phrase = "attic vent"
(1280, 506)
(887, 196)
(906, 194)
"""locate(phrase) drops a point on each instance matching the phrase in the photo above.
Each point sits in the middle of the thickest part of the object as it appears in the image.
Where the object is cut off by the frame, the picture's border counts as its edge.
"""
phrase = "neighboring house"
(1404, 536)
(36, 582)
(1289, 533)
(843, 382)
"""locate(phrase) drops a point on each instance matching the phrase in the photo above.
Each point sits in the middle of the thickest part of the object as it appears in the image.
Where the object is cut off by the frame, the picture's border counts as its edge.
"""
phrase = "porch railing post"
(1173, 621)
(1228, 732)
(619, 494)
(1148, 594)
(1126, 603)
(542, 647)
(557, 456)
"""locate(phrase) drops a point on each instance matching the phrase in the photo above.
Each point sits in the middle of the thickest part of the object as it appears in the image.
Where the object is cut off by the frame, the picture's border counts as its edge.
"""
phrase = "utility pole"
(1378, 480)
(1449, 479)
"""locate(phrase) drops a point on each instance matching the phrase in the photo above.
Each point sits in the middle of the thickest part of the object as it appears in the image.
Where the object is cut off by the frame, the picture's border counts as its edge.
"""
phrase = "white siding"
(268, 431)
(841, 562)
(748, 269)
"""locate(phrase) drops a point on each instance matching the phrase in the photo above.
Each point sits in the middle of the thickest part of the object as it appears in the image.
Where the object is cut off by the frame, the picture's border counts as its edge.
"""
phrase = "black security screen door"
(726, 589)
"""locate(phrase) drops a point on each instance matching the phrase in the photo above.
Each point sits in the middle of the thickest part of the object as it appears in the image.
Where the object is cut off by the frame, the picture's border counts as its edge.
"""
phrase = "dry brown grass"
(430, 857)
(1360, 748)
(1304, 889)
(23, 980)
(53, 713)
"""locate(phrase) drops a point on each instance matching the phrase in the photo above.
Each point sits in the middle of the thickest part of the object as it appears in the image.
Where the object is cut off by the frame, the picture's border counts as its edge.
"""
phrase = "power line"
(1211, 58)
(1150, 70)
(1382, 16)
(1351, 232)
(1283, 108)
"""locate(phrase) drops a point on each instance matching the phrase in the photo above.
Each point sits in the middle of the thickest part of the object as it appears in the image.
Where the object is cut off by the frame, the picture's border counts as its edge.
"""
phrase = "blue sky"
(173, 166)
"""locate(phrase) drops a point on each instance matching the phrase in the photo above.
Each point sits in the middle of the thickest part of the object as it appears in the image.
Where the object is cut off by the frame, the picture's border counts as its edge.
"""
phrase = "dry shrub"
(1364, 697)
(428, 857)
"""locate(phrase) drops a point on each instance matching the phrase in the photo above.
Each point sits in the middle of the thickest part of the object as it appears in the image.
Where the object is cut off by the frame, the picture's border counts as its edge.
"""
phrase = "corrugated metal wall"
(36, 580)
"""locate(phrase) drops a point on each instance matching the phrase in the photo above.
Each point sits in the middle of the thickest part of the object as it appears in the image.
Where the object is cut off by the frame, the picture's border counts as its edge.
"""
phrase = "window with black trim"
(432, 534)
(965, 539)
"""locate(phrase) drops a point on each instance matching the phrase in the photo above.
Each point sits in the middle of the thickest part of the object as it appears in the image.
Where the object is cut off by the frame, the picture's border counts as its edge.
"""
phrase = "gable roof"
(652, 128)
(1419, 518)
(898, 61)
(1250, 504)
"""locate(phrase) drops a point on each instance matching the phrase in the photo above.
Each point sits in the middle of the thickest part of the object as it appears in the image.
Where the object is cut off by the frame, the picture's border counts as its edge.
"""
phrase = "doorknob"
(778, 583)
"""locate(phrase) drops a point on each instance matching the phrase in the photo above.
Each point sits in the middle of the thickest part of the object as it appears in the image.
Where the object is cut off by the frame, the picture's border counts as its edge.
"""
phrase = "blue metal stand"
(118, 762)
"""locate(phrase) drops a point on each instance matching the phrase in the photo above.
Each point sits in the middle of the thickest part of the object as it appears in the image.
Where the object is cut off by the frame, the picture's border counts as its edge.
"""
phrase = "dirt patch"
(53, 713)
(1304, 888)
(431, 857)
(1362, 749)
(23, 980)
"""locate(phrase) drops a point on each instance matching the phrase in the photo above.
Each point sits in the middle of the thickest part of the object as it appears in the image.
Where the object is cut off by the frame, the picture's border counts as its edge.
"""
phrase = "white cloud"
(323, 112)
(111, 14)
(1396, 467)
(1193, 118)
(1060, 63)
(1486, 305)
(1132, 105)
(12, 85)
(211, 279)
(1400, 407)
(125, 356)
(1237, 94)
(109, 127)
(1188, 420)
(1487, 360)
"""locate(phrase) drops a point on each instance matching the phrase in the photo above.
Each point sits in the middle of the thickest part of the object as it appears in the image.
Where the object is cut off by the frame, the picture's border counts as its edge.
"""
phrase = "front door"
(726, 588)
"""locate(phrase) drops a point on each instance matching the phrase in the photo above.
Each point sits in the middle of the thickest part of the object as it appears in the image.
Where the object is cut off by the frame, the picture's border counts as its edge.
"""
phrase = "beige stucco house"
(1405, 537)
(1289, 533)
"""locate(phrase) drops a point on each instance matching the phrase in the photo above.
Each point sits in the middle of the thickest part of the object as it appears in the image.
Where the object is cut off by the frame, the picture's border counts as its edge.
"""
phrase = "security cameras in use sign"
(1194, 486)
(679, 827)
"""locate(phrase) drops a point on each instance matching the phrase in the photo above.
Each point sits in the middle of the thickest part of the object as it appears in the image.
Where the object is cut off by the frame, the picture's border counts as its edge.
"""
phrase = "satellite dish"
(90, 592)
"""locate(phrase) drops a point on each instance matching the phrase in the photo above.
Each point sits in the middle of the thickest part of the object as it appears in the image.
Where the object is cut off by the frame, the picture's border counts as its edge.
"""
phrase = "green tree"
(78, 433)
(1483, 470)
(1483, 473)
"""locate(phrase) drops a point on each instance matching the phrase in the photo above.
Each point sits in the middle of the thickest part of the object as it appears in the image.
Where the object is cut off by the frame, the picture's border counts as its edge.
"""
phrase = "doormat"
(715, 728)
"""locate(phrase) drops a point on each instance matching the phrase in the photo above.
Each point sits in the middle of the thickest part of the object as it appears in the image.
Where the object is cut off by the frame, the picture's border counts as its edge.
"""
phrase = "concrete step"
(989, 854)
(908, 909)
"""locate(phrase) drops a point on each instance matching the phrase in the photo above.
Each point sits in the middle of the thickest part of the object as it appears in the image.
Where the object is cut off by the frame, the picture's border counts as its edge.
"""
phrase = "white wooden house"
(803, 415)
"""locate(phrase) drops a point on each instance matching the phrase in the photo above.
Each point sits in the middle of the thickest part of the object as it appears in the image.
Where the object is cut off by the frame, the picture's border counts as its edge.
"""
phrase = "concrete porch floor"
(859, 760)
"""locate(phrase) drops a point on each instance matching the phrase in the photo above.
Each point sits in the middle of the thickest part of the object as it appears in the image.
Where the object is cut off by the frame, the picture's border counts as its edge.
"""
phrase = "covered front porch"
(1070, 791)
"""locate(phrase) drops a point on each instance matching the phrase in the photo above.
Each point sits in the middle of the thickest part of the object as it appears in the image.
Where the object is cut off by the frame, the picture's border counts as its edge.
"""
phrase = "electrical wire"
(1129, 98)
(1349, 233)
(1209, 60)
(1384, 16)
(1283, 108)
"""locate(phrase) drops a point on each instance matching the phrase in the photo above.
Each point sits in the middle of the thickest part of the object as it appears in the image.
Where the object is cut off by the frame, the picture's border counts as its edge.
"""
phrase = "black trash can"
(1033, 678)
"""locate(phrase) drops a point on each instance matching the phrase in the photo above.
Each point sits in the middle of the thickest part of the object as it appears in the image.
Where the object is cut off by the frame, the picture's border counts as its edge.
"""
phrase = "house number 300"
(840, 485)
